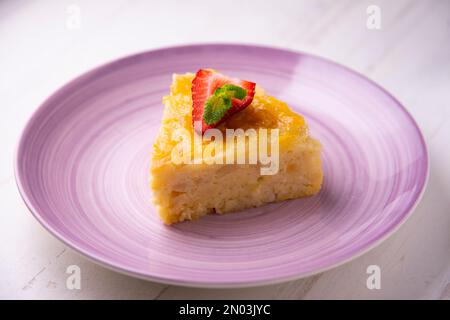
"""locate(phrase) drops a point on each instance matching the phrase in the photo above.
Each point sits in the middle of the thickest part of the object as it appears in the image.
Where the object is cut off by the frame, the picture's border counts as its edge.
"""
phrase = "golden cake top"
(263, 112)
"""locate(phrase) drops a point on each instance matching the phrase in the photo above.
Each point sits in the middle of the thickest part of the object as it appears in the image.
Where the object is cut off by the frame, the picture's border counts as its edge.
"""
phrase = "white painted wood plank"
(410, 56)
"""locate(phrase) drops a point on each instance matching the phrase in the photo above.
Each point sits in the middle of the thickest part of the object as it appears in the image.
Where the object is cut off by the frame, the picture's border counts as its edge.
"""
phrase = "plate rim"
(109, 264)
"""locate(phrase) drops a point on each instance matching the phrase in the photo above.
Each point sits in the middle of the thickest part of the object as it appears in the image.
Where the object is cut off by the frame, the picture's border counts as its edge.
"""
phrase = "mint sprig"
(221, 101)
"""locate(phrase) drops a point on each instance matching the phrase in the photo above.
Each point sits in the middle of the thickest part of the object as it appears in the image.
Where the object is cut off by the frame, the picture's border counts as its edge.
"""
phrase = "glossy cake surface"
(189, 191)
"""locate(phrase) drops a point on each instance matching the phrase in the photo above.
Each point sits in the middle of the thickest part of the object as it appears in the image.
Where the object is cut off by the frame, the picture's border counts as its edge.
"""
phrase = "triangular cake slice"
(189, 190)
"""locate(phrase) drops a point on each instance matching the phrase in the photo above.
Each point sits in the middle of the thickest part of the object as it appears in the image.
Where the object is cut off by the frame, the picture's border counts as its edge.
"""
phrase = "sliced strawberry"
(204, 85)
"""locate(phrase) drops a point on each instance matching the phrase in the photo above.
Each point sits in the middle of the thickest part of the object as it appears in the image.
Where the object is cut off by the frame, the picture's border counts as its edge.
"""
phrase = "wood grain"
(409, 56)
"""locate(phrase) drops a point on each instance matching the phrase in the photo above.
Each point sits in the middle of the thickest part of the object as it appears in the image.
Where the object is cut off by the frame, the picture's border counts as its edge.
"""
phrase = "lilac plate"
(83, 161)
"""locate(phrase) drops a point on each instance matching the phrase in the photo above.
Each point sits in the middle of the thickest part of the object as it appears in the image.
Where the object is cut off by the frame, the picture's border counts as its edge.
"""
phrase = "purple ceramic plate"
(82, 168)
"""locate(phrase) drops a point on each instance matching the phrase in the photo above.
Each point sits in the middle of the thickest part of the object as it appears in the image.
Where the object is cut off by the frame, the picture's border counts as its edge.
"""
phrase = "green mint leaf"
(215, 109)
(220, 102)
(231, 90)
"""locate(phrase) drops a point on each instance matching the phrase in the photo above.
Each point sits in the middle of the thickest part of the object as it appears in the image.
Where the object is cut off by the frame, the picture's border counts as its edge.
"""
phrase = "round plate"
(82, 168)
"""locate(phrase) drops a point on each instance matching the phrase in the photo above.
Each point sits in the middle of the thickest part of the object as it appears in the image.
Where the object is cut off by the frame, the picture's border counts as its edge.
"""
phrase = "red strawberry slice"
(204, 85)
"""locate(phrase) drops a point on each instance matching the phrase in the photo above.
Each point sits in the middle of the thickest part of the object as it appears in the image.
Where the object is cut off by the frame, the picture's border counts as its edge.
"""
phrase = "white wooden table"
(43, 44)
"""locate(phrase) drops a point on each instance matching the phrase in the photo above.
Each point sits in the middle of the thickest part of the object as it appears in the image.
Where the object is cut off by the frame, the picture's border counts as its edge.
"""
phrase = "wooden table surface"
(43, 44)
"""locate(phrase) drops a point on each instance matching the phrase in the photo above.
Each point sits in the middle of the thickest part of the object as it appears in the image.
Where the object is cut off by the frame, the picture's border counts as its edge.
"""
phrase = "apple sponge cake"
(213, 184)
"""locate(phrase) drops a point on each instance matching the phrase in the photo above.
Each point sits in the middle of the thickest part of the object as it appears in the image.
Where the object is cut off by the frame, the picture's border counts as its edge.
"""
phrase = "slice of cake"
(224, 145)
